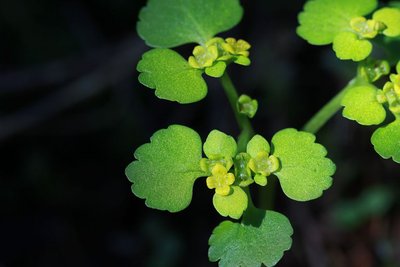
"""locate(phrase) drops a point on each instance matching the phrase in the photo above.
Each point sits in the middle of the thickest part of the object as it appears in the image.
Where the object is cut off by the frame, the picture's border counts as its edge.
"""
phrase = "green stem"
(330, 109)
(246, 130)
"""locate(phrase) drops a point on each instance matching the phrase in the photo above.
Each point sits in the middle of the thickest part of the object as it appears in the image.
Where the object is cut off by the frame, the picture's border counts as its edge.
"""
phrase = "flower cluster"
(215, 54)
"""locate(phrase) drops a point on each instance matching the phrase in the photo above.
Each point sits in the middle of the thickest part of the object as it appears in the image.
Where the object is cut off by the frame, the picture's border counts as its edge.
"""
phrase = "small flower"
(366, 28)
(391, 94)
(264, 164)
(220, 180)
(203, 57)
(237, 48)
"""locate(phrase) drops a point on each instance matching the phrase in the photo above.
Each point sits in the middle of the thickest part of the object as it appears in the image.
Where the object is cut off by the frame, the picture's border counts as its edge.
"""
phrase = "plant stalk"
(330, 108)
(246, 130)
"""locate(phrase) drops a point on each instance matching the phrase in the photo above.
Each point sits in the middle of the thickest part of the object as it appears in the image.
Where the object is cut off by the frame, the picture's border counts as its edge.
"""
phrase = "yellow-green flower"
(236, 47)
(220, 180)
(263, 165)
(366, 28)
(203, 56)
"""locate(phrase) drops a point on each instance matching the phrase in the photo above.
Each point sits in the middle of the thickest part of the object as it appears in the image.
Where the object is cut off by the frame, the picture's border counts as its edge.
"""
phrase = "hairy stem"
(330, 108)
(246, 130)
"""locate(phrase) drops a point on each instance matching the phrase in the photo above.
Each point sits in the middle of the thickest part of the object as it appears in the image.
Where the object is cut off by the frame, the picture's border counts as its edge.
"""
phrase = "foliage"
(343, 23)
(166, 168)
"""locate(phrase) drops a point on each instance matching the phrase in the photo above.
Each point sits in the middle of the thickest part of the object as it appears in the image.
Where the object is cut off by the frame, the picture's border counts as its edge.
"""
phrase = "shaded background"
(72, 113)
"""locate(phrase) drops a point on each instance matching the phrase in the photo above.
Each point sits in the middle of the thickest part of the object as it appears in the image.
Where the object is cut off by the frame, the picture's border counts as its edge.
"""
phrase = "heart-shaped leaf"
(322, 20)
(165, 169)
(348, 46)
(175, 22)
(219, 144)
(386, 141)
(305, 171)
(360, 104)
(251, 244)
(171, 76)
(232, 205)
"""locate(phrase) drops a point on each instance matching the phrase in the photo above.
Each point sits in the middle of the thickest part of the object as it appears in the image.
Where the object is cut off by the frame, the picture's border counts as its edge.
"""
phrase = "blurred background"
(72, 113)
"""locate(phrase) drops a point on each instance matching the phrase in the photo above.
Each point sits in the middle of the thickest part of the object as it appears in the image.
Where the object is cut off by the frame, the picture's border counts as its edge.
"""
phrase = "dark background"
(72, 113)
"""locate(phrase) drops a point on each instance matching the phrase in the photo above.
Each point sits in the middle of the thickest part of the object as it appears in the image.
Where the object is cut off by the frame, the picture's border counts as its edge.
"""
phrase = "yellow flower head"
(203, 56)
(239, 47)
(264, 164)
(220, 180)
(366, 28)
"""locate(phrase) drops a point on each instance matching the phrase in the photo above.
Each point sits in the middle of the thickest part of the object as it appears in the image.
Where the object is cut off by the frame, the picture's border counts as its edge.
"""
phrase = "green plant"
(166, 168)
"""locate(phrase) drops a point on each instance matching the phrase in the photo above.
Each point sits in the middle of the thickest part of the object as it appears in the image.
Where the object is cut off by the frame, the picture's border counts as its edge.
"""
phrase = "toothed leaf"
(251, 244)
(360, 104)
(171, 76)
(305, 171)
(165, 169)
(175, 22)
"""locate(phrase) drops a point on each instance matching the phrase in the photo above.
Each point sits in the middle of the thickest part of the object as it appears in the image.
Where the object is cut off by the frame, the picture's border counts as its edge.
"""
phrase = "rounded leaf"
(217, 70)
(348, 46)
(219, 144)
(251, 245)
(360, 104)
(165, 169)
(305, 171)
(171, 76)
(322, 20)
(232, 205)
(391, 18)
(386, 141)
(175, 22)
(256, 145)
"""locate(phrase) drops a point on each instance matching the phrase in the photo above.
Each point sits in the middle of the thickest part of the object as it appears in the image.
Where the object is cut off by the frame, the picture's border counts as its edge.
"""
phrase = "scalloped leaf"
(305, 171)
(360, 104)
(257, 144)
(232, 205)
(176, 22)
(171, 76)
(348, 46)
(165, 169)
(386, 141)
(219, 144)
(322, 20)
(391, 18)
(250, 245)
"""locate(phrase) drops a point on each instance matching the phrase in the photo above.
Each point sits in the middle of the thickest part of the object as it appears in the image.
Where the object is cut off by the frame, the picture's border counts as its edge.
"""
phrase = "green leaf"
(322, 20)
(171, 76)
(232, 205)
(175, 22)
(305, 171)
(398, 67)
(256, 145)
(217, 70)
(219, 144)
(250, 245)
(348, 46)
(391, 18)
(386, 141)
(360, 104)
(165, 169)
(242, 60)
